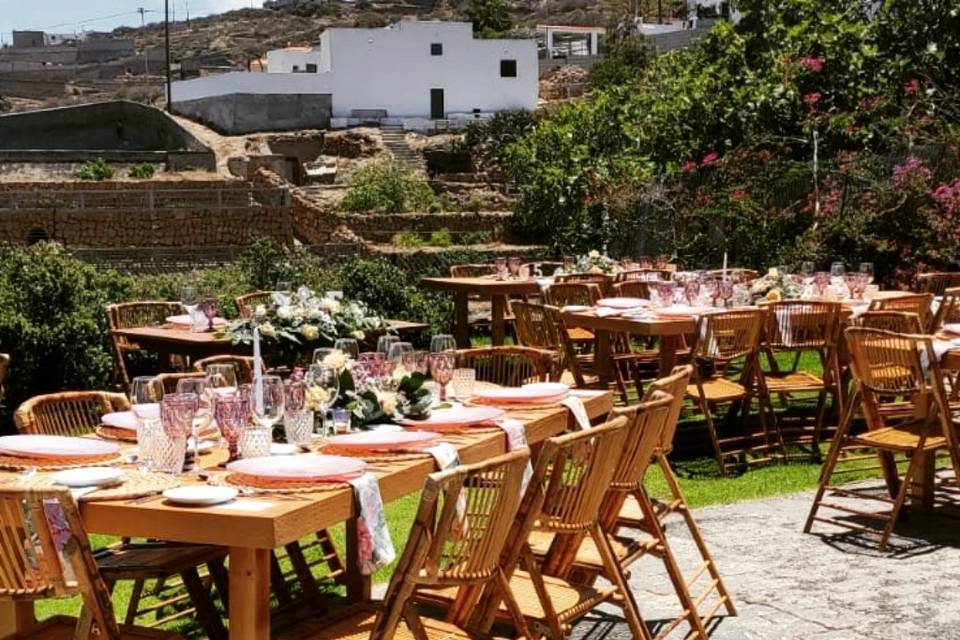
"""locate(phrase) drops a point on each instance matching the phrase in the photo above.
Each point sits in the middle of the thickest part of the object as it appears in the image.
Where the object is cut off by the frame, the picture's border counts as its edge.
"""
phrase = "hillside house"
(412, 73)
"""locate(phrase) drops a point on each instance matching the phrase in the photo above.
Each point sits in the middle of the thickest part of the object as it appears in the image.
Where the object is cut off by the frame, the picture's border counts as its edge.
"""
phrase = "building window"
(296, 68)
(508, 68)
(311, 68)
(436, 48)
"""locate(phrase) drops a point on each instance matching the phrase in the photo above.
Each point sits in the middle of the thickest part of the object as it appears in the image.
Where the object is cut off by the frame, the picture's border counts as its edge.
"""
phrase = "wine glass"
(807, 270)
(349, 346)
(266, 400)
(145, 395)
(837, 270)
(821, 280)
(177, 413)
(441, 368)
(146, 390)
(323, 387)
(666, 290)
(442, 342)
(373, 362)
(866, 268)
(725, 288)
(384, 342)
(500, 267)
(283, 286)
(712, 288)
(569, 264)
(199, 387)
(223, 379)
(397, 349)
(209, 306)
(190, 300)
(231, 413)
(691, 291)
(319, 355)
(416, 361)
(513, 265)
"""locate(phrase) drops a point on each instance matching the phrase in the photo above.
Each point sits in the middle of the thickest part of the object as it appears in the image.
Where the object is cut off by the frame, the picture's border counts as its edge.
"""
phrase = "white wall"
(283, 60)
(392, 69)
(243, 82)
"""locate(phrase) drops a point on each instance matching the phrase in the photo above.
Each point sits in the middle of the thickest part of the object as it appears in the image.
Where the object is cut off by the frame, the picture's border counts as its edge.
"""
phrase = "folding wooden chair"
(603, 281)
(46, 554)
(570, 480)
(129, 315)
(889, 368)
(642, 275)
(455, 546)
(508, 366)
(794, 327)
(248, 302)
(632, 289)
(77, 413)
(918, 303)
(895, 321)
(948, 311)
(937, 283)
(737, 273)
(243, 365)
(724, 339)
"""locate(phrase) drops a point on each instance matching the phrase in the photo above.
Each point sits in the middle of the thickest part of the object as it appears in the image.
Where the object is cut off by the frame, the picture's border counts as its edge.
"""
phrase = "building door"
(436, 104)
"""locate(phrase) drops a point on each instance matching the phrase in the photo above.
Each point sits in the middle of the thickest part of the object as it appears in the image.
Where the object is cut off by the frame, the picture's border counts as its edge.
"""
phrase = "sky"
(68, 16)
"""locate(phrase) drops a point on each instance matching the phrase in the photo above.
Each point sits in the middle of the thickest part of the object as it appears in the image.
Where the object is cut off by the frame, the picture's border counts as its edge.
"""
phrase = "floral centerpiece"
(596, 262)
(291, 320)
(372, 403)
(775, 286)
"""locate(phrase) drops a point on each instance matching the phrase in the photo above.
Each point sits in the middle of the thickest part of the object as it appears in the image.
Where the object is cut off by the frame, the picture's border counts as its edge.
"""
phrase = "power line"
(85, 20)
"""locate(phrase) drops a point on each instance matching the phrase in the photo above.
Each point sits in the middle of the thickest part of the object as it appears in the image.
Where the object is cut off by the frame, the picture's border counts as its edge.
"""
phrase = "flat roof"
(572, 28)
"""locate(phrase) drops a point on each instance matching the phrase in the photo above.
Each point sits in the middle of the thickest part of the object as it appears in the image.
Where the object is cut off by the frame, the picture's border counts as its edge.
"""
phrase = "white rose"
(594, 254)
(285, 312)
(773, 272)
(331, 306)
(310, 332)
(336, 360)
(266, 329)
(388, 403)
(298, 312)
(399, 373)
(316, 397)
(358, 335)
(260, 311)
(313, 312)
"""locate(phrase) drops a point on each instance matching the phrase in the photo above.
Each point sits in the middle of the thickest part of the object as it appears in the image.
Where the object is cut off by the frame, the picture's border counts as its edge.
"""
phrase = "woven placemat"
(264, 485)
(458, 429)
(16, 463)
(375, 456)
(125, 435)
(514, 406)
(136, 484)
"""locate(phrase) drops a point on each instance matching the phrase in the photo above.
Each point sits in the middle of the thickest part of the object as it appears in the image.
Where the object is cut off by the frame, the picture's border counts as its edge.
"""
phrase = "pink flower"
(812, 98)
(813, 63)
(710, 158)
(738, 195)
(912, 175)
(689, 166)
(912, 88)
(764, 155)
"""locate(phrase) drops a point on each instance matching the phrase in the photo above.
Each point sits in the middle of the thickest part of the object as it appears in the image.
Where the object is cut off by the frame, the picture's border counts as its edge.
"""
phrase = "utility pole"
(166, 37)
(146, 58)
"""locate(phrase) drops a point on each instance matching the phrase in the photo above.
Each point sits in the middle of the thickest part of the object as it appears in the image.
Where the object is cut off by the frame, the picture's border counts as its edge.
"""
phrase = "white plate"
(575, 308)
(623, 303)
(126, 420)
(547, 388)
(200, 495)
(283, 449)
(88, 477)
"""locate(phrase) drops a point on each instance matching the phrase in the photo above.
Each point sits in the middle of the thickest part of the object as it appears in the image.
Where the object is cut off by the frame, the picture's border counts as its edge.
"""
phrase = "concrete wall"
(104, 50)
(250, 83)
(248, 112)
(283, 60)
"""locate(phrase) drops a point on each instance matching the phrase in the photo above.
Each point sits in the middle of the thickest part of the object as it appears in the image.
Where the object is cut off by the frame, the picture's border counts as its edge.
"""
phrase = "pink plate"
(184, 320)
(41, 446)
(623, 303)
(680, 311)
(126, 420)
(952, 327)
(384, 440)
(455, 417)
(318, 468)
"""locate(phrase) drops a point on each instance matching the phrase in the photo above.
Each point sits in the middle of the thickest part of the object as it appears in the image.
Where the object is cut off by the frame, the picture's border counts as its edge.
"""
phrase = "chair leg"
(614, 573)
(308, 584)
(133, 604)
(712, 430)
(207, 614)
(827, 472)
(901, 497)
(551, 617)
(221, 580)
(277, 582)
(331, 556)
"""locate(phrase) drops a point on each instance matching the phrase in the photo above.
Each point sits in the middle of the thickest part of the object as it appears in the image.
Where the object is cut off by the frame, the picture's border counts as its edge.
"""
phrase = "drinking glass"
(341, 421)
(177, 413)
(146, 390)
(349, 346)
(223, 378)
(190, 300)
(441, 368)
(569, 264)
(712, 288)
(463, 381)
(416, 361)
(397, 349)
(726, 291)
(837, 270)
(298, 427)
(266, 403)
(442, 342)
(321, 353)
(384, 342)
(169, 452)
(500, 268)
(254, 441)
(325, 378)
(807, 270)
(283, 286)
(200, 387)
(866, 268)
(646, 262)
(372, 362)
(691, 291)
(209, 308)
(666, 290)
(231, 413)
(821, 280)
(513, 265)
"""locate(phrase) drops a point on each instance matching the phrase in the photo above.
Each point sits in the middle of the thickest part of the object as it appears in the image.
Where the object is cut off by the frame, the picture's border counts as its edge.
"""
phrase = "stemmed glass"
(441, 368)
(691, 291)
(319, 355)
(807, 270)
(513, 265)
(712, 287)
(725, 288)
(384, 342)
(145, 395)
(372, 362)
(177, 413)
(442, 342)
(416, 361)
(569, 264)
(190, 299)
(397, 349)
(837, 271)
(349, 346)
(199, 387)
(266, 404)
(231, 413)
(821, 280)
(500, 267)
(209, 308)
(223, 379)
(322, 377)
(866, 269)
(666, 290)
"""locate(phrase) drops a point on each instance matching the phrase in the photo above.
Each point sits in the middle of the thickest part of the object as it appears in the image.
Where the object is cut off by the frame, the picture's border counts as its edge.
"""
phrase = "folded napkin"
(448, 457)
(606, 312)
(575, 405)
(516, 434)
(374, 542)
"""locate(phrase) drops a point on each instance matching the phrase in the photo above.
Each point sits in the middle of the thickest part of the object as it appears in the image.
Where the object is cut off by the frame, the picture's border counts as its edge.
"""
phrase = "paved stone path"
(789, 585)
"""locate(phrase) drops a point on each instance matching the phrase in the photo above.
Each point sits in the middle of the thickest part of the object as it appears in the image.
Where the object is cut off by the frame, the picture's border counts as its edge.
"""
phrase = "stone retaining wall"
(381, 227)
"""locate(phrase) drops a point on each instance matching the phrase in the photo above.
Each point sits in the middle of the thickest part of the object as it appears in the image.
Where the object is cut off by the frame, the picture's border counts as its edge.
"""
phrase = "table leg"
(603, 355)
(921, 493)
(668, 354)
(461, 320)
(358, 585)
(16, 616)
(497, 322)
(249, 593)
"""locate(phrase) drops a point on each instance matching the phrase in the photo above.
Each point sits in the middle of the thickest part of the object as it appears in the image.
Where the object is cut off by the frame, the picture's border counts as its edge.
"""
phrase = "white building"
(410, 72)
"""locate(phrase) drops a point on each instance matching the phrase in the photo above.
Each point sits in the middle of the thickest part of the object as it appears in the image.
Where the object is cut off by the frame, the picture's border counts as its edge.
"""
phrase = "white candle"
(724, 266)
(257, 372)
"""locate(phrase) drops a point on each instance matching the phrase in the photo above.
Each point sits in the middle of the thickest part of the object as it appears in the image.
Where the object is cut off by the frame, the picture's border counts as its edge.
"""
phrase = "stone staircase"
(395, 140)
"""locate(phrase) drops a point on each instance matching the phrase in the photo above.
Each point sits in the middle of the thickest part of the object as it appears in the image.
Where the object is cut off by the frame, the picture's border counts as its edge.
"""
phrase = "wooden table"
(487, 287)
(252, 526)
(168, 341)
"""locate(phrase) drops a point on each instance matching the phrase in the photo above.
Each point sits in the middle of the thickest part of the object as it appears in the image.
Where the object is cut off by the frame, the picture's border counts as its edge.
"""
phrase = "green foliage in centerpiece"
(371, 404)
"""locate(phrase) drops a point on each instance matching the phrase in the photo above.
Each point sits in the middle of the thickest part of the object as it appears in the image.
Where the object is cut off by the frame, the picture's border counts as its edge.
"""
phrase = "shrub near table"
(387, 187)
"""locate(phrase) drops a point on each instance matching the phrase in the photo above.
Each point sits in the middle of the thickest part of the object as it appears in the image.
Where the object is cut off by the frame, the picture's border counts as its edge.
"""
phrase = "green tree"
(491, 18)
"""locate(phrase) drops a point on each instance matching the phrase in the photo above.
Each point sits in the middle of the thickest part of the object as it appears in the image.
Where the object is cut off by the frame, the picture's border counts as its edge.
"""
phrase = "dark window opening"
(36, 235)
(508, 68)
(436, 48)
(311, 68)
